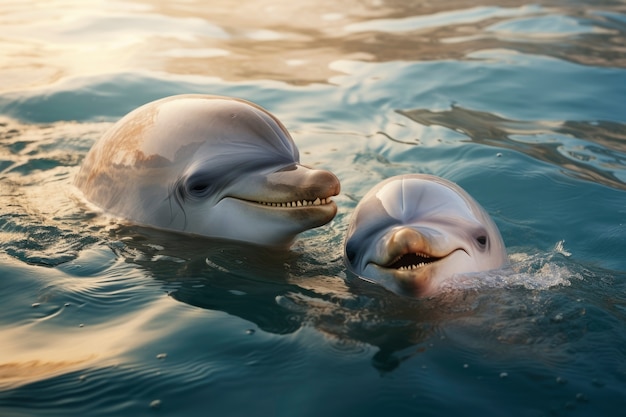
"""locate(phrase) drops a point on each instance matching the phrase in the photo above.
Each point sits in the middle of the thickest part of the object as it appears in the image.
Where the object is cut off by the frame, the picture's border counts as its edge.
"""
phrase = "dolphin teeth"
(298, 203)
(413, 261)
(412, 267)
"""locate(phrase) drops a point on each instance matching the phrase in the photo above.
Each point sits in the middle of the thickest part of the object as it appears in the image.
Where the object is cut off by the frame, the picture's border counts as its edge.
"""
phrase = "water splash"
(541, 271)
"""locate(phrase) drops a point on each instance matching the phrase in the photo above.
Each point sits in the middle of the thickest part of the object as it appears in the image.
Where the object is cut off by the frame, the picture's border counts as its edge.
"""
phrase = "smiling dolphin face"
(412, 232)
(207, 165)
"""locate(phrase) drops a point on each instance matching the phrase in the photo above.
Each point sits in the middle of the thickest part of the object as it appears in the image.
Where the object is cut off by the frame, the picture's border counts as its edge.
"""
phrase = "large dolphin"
(412, 232)
(207, 165)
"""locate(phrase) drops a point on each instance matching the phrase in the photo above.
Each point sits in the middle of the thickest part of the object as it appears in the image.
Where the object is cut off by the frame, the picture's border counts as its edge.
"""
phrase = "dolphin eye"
(199, 189)
(482, 241)
(350, 252)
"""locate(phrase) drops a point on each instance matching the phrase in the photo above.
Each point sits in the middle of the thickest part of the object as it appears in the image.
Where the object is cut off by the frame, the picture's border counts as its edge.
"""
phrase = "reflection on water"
(39, 217)
(292, 42)
(55, 331)
(282, 292)
(600, 159)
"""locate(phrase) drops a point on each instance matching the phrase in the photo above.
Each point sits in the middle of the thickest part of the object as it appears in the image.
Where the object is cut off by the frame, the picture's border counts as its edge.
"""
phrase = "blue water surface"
(523, 105)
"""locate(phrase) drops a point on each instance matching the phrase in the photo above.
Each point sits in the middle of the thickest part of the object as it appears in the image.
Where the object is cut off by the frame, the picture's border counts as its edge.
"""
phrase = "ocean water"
(523, 105)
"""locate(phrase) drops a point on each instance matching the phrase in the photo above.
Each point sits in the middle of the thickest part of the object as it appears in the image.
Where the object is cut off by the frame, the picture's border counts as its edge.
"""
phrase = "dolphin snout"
(410, 239)
(304, 182)
(422, 242)
(321, 181)
(406, 237)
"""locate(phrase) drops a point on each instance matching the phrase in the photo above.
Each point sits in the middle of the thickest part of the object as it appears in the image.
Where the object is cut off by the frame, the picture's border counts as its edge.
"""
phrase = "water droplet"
(581, 397)
(597, 383)
(161, 356)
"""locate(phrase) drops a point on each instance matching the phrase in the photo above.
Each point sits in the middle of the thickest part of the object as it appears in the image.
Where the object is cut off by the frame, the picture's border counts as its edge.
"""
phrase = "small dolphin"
(412, 232)
(207, 165)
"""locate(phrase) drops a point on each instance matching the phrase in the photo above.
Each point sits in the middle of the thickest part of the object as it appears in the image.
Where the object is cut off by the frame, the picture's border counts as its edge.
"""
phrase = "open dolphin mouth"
(295, 187)
(415, 260)
(411, 261)
(298, 203)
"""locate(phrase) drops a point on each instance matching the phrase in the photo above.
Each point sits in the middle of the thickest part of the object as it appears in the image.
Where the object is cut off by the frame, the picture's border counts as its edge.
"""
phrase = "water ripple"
(523, 105)
(593, 151)
(442, 19)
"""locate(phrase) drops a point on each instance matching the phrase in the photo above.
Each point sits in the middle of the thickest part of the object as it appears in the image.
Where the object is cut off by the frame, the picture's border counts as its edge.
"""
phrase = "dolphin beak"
(296, 192)
(407, 255)
(409, 248)
(298, 182)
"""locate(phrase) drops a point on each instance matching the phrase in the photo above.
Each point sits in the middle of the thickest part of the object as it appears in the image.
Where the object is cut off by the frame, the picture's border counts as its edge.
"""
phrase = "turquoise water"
(523, 105)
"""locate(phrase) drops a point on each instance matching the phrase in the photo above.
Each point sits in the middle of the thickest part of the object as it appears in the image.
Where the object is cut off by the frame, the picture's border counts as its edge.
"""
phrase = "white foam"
(531, 271)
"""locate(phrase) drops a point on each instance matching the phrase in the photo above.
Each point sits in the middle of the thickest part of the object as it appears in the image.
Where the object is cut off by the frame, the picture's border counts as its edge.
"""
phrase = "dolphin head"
(412, 232)
(207, 165)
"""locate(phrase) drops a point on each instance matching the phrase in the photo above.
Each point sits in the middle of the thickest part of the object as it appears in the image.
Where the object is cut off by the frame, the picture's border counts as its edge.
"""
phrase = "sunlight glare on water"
(521, 104)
